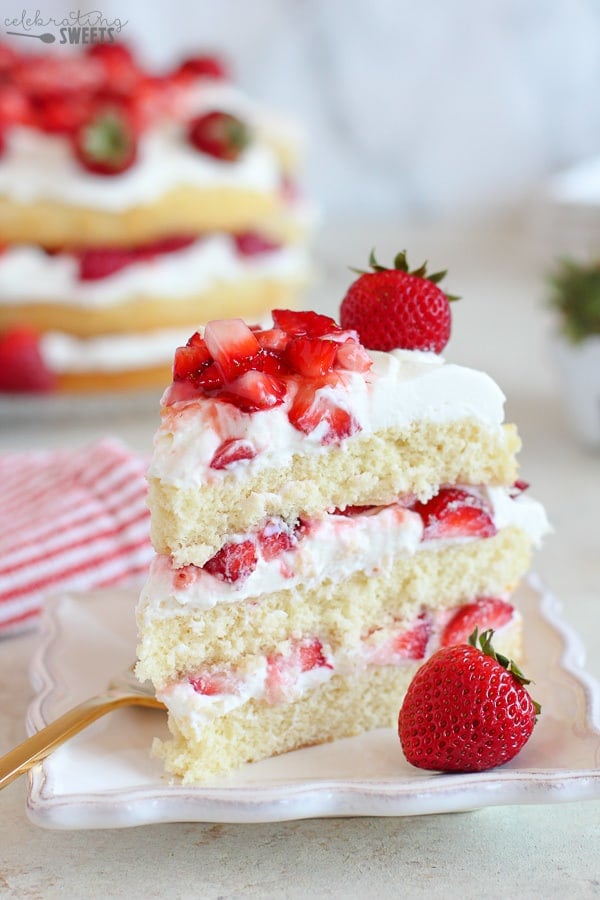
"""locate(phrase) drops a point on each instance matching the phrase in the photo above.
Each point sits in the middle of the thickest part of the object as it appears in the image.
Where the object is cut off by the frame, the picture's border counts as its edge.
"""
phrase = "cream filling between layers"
(334, 548)
(194, 711)
(403, 387)
(125, 352)
(27, 274)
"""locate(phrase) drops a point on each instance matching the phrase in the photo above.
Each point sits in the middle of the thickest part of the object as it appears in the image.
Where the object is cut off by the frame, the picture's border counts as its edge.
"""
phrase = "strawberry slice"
(232, 345)
(250, 243)
(412, 643)
(304, 322)
(217, 682)
(283, 670)
(233, 561)
(254, 391)
(453, 513)
(311, 357)
(308, 411)
(98, 263)
(276, 538)
(22, 367)
(232, 451)
(483, 613)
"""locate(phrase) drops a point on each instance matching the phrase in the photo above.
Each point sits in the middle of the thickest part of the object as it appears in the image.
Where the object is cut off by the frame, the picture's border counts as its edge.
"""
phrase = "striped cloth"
(69, 520)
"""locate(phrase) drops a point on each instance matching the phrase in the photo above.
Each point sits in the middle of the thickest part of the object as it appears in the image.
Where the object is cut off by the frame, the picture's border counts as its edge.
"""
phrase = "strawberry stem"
(485, 644)
(401, 265)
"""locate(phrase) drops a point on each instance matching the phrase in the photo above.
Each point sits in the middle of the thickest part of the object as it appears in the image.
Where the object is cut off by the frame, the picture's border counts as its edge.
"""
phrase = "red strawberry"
(275, 538)
(62, 115)
(56, 75)
(22, 367)
(252, 244)
(15, 106)
(219, 134)
(216, 682)
(233, 561)
(454, 513)
(395, 308)
(352, 356)
(120, 72)
(190, 361)
(308, 412)
(101, 262)
(466, 710)
(412, 643)
(106, 143)
(203, 67)
(283, 669)
(254, 390)
(304, 322)
(483, 613)
(232, 345)
(230, 452)
(311, 357)
(273, 339)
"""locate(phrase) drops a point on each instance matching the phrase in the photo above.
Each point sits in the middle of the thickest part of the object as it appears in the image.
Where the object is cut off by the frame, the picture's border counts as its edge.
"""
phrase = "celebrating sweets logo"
(76, 27)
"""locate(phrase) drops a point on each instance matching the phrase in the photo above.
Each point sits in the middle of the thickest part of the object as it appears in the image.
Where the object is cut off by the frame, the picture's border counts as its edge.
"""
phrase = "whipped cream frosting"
(422, 385)
(28, 274)
(334, 548)
(123, 352)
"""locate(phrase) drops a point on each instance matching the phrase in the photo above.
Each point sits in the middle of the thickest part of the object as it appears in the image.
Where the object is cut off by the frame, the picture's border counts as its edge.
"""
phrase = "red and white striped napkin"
(69, 520)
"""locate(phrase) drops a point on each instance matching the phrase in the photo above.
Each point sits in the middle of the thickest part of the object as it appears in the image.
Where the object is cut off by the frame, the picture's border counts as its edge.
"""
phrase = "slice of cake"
(325, 516)
(135, 204)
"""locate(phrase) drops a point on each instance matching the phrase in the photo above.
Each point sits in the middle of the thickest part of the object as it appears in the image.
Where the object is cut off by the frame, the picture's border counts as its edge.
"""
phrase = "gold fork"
(125, 690)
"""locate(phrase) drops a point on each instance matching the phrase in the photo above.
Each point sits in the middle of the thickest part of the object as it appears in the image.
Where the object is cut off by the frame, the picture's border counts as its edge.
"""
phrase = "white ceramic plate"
(105, 778)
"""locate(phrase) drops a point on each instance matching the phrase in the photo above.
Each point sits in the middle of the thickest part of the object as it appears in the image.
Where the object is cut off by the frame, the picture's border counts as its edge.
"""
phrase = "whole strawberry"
(398, 309)
(219, 134)
(466, 709)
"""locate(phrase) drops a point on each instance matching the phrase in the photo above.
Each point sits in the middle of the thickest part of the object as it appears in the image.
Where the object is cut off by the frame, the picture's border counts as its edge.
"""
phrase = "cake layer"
(177, 640)
(343, 706)
(191, 522)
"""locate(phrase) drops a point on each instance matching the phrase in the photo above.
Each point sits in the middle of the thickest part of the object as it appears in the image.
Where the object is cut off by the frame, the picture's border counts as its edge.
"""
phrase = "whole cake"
(133, 205)
(324, 516)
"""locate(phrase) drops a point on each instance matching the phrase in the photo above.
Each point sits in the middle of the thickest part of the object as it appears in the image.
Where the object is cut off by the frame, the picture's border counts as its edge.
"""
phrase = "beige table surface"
(525, 851)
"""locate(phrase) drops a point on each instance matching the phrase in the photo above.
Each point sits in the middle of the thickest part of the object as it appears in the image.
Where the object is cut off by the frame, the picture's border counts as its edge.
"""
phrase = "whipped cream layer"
(124, 352)
(28, 274)
(259, 679)
(332, 548)
(403, 386)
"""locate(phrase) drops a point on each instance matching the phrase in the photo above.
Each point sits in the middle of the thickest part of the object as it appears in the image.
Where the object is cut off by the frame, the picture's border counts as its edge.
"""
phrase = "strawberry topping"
(233, 561)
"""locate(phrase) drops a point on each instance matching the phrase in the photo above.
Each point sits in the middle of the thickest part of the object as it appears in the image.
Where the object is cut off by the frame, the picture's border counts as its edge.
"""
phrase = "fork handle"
(36, 748)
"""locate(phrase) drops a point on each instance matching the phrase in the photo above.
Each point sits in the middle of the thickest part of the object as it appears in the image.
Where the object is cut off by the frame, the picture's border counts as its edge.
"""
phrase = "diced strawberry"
(412, 643)
(62, 115)
(180, 392)
(230, 452)
(271, 362)
(233, 561)
(209, 378)
(252, 244)
(308, 411)
(15, 107)
(22, 367)
(273, 339)
(352, 356)
(453, 513)
(231, 344)
(304, 322)
(254, 391)
(56, 75)
(276, 538)
(311, 357)
(120, 72)
(216, 682)
(203, 67)
(483, 613)
(189, 361)
(311, 656)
